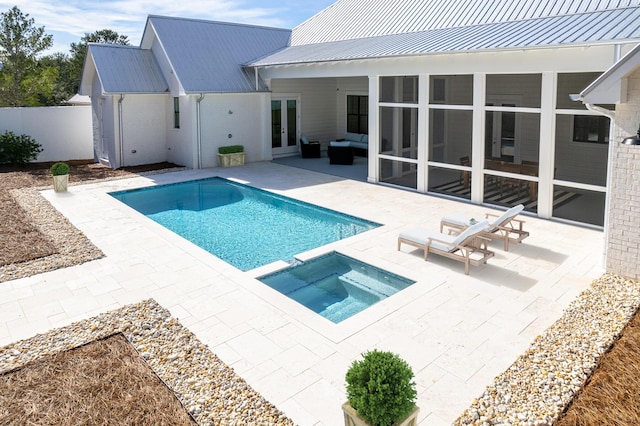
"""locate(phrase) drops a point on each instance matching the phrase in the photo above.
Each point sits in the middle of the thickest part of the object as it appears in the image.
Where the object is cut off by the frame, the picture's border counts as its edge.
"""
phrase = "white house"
(469, 99)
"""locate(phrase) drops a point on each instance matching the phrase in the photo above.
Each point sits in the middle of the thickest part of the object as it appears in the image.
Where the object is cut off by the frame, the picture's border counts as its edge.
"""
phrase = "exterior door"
(284, 125)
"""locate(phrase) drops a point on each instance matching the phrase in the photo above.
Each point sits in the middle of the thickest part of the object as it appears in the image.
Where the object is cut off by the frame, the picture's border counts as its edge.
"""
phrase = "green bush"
(381, 388)
(16, 149)
(59, 169)
(231, 149)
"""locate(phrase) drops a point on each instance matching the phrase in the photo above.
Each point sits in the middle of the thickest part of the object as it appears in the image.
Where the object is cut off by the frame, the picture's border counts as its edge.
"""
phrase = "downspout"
(612, 117)
(120, 131)
(255, 71)
(199, 130)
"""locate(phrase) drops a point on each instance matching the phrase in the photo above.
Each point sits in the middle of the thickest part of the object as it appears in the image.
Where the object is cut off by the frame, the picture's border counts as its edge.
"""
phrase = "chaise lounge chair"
(504, 227)
(459, 247)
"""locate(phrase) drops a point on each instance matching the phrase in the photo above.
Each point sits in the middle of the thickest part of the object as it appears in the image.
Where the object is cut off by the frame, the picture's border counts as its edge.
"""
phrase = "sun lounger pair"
(503, 227)
(469, 242)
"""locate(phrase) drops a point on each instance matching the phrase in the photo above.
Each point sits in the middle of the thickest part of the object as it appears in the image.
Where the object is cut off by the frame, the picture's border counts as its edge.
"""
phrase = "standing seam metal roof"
(208, 56)
(615, 25)
(127, 69)
(356, 19)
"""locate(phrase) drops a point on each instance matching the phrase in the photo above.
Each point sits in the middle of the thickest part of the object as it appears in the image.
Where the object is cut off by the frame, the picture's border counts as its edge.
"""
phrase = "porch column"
(547, 143)
(477, 137)
(373, 174)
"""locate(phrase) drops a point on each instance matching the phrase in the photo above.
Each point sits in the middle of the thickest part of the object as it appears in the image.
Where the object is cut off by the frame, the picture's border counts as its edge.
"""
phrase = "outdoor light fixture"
(632, 140)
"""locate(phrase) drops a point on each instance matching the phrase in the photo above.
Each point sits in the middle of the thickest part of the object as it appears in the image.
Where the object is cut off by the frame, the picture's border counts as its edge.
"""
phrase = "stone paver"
(457, 331)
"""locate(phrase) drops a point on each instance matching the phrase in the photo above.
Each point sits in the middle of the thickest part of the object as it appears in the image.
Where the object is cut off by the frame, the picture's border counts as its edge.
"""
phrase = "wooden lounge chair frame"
(462, 251)
(511, 230)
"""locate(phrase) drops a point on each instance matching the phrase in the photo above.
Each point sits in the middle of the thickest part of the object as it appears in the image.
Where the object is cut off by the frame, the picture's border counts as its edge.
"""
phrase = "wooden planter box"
(230, 160)
(351, 417)
(60, 183)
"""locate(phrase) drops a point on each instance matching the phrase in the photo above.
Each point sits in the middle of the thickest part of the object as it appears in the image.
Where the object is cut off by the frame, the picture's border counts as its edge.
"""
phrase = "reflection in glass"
(402, 89)
(399, 173)
(399, 132)
(451, 135)
(579, 205)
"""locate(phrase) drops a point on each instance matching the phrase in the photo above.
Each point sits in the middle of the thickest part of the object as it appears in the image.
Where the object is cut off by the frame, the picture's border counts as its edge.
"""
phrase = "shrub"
(16, 149)
(230, 149)
(59, 169)
(381, 388)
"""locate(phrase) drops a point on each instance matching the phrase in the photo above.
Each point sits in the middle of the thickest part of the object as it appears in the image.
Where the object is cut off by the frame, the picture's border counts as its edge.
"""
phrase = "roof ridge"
(208, 21)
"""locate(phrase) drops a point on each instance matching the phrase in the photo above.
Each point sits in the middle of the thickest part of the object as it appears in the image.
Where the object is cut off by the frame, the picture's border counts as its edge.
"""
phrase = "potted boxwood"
(60, 172)
(231, 155)
(380, 391)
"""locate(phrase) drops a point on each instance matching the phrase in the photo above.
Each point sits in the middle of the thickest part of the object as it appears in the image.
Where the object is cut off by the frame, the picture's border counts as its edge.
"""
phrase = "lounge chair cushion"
(507, 215)
(445, 242)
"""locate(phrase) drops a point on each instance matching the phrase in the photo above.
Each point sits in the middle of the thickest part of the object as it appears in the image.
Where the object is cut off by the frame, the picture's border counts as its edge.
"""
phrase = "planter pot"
(60, 183)
(352, 418)
(230, 160)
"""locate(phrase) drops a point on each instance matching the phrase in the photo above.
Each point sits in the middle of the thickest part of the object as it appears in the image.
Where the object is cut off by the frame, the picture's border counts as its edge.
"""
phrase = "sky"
(68, 20)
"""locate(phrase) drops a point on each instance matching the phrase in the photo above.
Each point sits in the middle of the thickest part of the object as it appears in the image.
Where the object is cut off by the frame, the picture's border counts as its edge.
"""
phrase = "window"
(591, 129)
(176, 113)
(358, 114)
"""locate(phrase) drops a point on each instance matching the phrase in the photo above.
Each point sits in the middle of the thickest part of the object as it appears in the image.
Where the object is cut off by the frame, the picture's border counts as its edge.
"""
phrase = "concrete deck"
(456, 331)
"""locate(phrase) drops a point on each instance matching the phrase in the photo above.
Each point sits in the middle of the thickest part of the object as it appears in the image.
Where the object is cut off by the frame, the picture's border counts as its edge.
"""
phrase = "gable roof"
(362, 29)
(610, 87)
(125, 69)
(207, 56)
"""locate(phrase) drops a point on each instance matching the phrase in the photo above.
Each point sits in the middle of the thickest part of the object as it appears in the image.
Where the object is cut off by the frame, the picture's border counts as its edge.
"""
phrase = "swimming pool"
(245, 226)
(336, 286)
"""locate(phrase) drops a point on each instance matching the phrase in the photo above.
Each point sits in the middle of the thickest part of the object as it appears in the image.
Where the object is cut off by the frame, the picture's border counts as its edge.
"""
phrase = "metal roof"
(208, 56)
(605, 26)
(126, 69)
(355, 19)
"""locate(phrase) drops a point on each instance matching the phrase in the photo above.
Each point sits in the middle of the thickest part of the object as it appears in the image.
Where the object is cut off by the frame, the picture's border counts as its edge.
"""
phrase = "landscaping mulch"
(103, 382)
(21, 241)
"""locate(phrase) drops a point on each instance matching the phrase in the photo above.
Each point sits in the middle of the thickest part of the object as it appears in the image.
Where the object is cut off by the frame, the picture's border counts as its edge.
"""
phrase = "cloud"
(72, 19)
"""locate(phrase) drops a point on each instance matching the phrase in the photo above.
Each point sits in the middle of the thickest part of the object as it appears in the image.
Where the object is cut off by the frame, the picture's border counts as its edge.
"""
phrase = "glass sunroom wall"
(581, 154)
(450, 134)
(450, 143)
(398, 147)
(512, 139)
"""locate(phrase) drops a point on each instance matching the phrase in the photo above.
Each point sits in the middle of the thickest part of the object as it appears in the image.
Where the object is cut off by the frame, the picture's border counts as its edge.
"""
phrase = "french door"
(284, 125)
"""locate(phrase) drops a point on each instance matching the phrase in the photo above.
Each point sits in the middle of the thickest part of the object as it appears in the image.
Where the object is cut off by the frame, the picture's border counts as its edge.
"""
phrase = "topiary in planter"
(59, 169)
(381, 388)
(230, 149)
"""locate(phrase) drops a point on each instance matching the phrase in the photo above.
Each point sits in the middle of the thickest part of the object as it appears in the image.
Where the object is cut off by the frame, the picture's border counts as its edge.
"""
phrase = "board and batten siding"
(318, 101)
(144, 130)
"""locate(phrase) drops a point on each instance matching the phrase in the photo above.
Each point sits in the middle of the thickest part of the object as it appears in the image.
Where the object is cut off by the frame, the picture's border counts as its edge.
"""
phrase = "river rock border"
(538, 386)
(209, 389)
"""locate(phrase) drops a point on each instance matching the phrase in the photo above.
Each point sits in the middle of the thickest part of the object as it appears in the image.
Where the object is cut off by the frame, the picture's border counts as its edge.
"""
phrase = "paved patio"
(456, 331)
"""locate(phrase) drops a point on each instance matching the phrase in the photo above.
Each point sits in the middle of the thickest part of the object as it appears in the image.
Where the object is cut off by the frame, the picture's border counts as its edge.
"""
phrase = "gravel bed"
(73, 247)
(538, 386)
(209, 389)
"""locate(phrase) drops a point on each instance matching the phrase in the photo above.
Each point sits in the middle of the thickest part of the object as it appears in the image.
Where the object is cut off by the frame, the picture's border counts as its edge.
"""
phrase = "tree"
(79, 51)
(22, 79)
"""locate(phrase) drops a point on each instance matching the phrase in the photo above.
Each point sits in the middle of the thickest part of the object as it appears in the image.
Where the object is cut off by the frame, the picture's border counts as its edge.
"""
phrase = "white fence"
(65, 132)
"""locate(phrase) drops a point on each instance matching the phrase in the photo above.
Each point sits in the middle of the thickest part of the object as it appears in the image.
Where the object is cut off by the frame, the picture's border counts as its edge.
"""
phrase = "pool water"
(244, 226)
(336, 286)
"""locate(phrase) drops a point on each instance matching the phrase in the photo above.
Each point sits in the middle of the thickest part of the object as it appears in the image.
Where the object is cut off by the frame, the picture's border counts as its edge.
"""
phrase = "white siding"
(318, 99)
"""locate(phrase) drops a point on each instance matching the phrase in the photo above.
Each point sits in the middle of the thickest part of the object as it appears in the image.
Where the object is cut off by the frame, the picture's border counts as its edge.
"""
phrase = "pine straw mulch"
(21, 241)
(611, 396)
(88, 385)
(103, 382)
